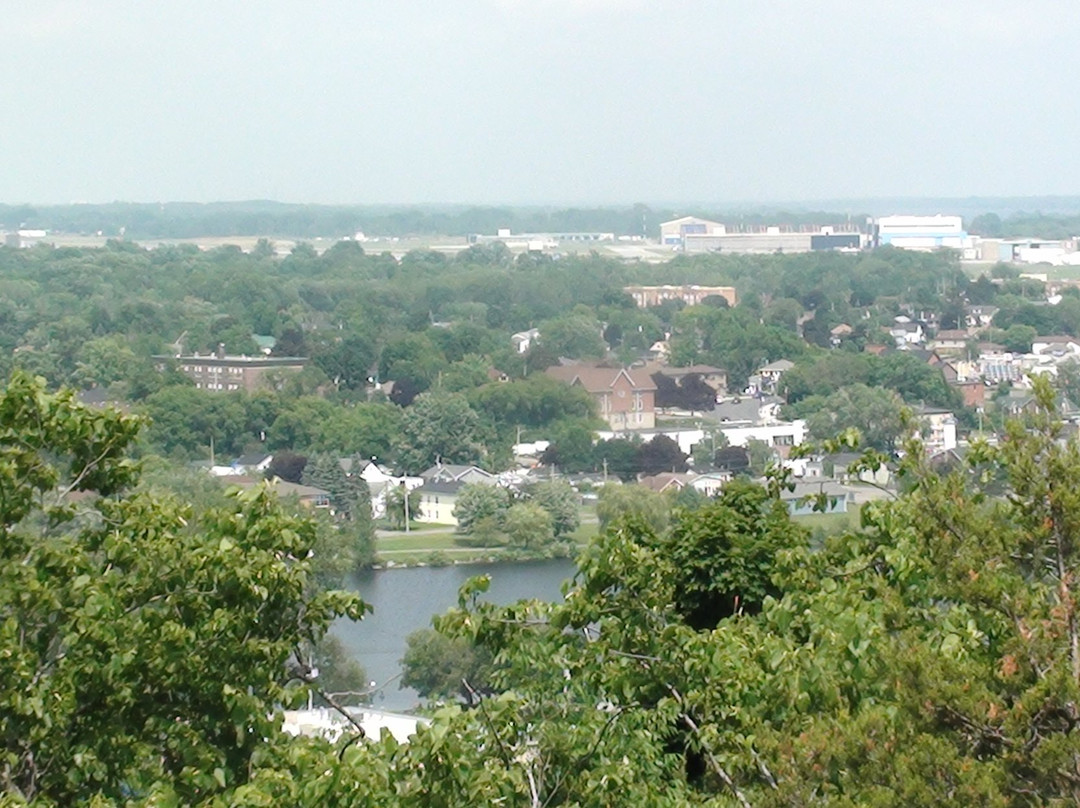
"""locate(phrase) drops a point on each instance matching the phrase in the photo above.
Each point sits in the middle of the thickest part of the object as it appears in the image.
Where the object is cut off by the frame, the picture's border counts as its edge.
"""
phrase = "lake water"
(406, 599)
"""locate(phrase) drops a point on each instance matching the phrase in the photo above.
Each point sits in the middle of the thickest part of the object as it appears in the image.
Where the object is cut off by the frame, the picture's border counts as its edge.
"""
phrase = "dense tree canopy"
(143, 652)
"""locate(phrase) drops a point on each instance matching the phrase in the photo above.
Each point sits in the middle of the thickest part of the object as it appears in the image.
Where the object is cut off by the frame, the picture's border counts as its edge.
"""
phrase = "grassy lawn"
(586, 532)
(418, 549)
(426, 541)
(830, 522)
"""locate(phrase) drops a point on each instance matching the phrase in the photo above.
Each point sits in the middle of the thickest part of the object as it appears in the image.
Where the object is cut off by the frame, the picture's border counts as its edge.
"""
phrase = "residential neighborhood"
(677, 387)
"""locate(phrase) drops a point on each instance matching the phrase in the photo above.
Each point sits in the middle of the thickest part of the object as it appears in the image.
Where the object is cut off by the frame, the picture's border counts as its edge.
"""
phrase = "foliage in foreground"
(144, 650)
(930, 658)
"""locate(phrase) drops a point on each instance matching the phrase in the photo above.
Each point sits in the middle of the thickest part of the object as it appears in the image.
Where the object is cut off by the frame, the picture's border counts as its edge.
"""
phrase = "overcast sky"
(537, 101)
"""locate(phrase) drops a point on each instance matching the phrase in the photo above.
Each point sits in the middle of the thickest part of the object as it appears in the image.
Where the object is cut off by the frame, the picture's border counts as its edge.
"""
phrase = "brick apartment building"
(229, 373)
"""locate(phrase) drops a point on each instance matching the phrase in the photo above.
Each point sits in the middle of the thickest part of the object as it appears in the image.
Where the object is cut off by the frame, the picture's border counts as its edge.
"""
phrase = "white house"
(907, 333)
(711, 483)
(523, 340)
(940, 426)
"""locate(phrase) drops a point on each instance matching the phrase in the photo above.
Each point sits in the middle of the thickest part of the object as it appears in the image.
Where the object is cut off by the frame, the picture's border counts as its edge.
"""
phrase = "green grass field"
(423, 541)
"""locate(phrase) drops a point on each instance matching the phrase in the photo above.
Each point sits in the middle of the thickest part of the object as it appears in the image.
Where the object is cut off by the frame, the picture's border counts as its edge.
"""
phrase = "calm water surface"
(406, 599)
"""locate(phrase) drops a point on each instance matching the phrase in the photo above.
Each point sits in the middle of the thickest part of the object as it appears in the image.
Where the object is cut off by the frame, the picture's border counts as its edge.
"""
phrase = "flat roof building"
(219, 372)
(921, 232)
(694, 235)
(691, 295)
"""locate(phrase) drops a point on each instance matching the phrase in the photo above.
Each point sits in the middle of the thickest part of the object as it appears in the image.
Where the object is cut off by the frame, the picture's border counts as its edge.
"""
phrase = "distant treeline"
(1021, 225)
(224, 219)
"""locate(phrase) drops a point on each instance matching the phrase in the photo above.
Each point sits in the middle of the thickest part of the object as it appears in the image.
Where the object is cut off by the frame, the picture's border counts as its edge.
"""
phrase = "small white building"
(939, 427)
(711, 483)
(323, 722)
(24, 239)
(523, 340)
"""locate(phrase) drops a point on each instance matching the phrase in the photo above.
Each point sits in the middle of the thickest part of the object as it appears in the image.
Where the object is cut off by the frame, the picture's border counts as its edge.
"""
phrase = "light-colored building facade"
(24, 239)
(674, 233)
(923, 233)
(779, 436)
(939, 427)
(692, 295)
(694, 235)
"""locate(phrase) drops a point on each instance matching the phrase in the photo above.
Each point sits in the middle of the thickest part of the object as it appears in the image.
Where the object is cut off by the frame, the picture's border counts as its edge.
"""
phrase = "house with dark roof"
(748, 410)
(715, 377)
(252, 463)
(625, 397)
(979, 316)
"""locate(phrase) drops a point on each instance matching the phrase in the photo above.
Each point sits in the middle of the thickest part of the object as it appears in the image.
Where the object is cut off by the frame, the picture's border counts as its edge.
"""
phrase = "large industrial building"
(693, 235)
(922, 233)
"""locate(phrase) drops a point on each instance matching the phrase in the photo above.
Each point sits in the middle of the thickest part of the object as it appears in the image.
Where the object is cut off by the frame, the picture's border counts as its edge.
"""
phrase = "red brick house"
(624, 398)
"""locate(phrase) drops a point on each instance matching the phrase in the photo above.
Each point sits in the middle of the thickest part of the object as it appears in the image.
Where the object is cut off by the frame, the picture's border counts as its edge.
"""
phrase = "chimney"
(221, 350)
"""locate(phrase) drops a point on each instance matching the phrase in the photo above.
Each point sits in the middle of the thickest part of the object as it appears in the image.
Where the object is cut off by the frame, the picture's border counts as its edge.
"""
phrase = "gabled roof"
(596, 379)
(682, 219)
(252, 459)
(665, 480)
(280, 486)
(451, 472)
(781, 365)
(445, 487)
(285, 488)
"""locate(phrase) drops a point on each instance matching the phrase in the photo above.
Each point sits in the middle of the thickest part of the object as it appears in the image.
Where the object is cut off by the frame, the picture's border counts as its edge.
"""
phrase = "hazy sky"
(545, 101)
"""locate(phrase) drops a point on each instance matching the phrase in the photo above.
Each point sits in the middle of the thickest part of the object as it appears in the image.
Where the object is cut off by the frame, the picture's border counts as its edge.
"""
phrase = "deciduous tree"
(145, 647)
